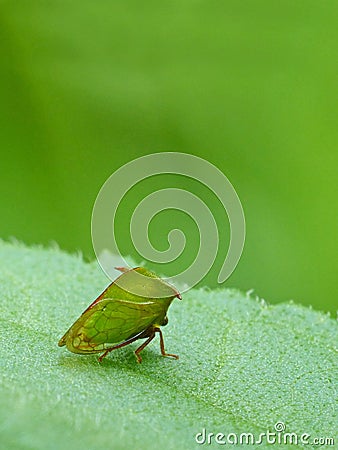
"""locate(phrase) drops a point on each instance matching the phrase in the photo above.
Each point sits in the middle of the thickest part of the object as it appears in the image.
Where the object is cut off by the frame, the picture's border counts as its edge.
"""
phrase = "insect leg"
(123, 344)
(158, 330)
(141, 347)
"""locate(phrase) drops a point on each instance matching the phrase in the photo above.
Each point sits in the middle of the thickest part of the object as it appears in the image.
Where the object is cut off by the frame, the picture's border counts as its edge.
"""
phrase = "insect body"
(119, 317)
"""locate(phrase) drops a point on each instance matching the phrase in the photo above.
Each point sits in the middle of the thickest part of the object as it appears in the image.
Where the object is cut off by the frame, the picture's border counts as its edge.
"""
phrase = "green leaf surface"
(243, 367)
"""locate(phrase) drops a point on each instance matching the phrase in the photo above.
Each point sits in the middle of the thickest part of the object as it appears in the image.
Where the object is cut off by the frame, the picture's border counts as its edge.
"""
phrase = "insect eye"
(165, 321)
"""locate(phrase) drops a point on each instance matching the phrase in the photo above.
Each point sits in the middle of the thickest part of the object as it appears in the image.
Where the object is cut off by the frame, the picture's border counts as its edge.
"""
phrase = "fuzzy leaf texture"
(244, 366)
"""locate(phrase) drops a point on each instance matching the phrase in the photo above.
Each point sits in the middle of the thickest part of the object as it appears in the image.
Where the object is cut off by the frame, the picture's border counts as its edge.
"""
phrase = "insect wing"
(110, 321)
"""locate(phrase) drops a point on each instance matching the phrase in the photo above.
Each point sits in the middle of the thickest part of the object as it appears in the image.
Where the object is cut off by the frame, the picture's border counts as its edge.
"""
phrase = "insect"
(118, 317)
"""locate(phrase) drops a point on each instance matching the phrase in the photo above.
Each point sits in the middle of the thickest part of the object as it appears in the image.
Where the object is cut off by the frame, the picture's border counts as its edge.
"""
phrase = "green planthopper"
(119, 317)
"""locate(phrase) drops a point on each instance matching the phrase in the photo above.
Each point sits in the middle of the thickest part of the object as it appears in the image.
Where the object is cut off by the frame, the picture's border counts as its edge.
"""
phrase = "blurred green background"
(250, 86)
